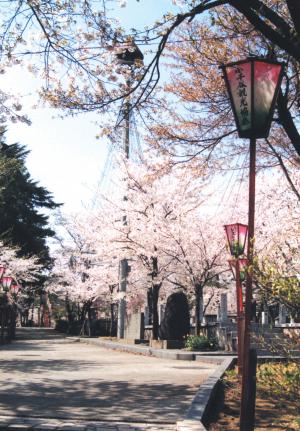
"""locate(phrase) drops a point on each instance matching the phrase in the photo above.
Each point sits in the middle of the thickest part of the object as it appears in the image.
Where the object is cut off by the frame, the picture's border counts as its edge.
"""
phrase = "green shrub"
(200, 342)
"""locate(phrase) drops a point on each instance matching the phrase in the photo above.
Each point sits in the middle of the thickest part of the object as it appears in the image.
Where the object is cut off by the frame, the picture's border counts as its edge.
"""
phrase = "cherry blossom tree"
(83, 272)
(24, 271)
(171, 235)
(276, 244)
(160, 229)
(72, 44)
(197, 246)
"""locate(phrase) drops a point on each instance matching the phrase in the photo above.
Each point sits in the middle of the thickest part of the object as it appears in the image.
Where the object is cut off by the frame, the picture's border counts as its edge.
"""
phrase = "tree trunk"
(149, 303)
(85, 312)
(89, 313)
(111, 323)
(198, 300)
(32, 312)
(155, 294)
(69, 310)
(155, 323)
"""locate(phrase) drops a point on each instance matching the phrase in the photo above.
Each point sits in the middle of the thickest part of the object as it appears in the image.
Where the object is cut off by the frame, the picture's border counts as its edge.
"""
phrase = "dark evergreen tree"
(22, 223)
(176, 321)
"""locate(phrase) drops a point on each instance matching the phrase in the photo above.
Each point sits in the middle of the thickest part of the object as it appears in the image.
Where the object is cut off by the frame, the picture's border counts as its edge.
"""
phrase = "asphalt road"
(52, 377)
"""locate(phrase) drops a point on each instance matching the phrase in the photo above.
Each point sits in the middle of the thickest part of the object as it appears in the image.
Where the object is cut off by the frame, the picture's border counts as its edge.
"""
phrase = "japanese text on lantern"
(242, 94)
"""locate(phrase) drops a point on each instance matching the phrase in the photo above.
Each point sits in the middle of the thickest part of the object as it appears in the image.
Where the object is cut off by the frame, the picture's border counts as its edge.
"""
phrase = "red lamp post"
(243, 263)
(236, 237)
(238, 267)
(253, 86)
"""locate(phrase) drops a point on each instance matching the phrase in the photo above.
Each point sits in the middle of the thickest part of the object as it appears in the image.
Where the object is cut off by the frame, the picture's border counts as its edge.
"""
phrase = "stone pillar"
(282, 314)
(161, 313)
(122, 302)
(147, 316)
(223, 308)
(264, 318)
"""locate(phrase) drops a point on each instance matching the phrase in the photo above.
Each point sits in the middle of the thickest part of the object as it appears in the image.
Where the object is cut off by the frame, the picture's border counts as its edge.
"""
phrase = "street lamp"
(236, 237)
(15, 288)
(6, 283)
(253, 85)
(129, 54)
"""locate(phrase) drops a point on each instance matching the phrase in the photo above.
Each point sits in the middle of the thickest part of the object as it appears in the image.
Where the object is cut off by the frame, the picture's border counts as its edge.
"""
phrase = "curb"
(179, 355)
(12, 423)
(203, 399)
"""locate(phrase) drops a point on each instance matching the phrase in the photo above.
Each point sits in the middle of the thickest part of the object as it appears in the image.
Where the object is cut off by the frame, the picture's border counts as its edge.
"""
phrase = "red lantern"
(236, 237)
(6, 282)
(15, 288)
(253, 86)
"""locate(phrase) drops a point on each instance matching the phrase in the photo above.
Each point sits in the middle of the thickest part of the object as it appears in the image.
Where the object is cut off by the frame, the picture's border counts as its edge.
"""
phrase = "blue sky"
(65, 155)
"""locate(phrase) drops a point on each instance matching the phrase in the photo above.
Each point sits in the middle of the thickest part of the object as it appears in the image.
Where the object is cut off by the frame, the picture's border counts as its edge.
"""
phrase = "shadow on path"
(27, 366)
(99, 400)
(50, 379)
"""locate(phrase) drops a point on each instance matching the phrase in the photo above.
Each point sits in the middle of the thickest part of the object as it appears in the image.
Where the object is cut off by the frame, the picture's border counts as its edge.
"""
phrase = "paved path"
(61, 384)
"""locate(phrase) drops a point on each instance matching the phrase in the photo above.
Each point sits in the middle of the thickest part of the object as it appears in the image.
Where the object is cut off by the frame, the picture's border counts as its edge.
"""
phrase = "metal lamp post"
(253, 86)
(236, 237)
